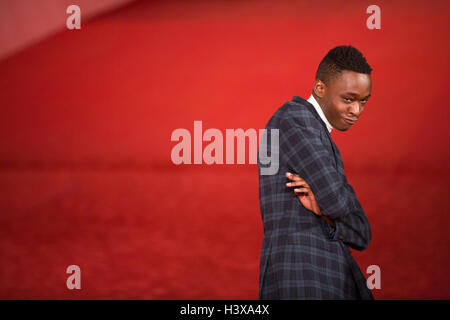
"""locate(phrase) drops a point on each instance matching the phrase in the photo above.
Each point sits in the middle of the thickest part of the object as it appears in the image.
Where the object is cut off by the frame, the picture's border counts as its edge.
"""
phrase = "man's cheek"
(341, 110)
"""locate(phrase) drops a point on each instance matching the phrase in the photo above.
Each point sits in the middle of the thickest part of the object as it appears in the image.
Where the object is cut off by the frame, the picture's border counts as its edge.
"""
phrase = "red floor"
(85, 171)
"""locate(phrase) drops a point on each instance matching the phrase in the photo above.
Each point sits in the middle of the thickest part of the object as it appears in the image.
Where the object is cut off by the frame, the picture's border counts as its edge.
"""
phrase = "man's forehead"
(353, 82)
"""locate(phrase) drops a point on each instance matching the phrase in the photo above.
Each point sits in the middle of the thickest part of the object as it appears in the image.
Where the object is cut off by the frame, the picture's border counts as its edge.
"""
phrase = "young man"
(313, 217)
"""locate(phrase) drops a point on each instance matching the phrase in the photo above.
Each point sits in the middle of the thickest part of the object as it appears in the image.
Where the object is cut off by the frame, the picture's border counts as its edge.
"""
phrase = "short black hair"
(342, 58)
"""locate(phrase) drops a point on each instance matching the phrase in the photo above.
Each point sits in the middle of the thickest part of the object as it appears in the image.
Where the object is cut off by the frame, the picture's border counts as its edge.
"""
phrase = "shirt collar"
(319, 110)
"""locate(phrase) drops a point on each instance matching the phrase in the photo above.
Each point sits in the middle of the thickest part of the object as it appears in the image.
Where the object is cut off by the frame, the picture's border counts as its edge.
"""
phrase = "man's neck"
(313, 100)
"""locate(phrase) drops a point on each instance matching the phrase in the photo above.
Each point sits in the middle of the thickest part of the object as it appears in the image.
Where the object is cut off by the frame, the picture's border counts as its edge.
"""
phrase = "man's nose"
(355, 108)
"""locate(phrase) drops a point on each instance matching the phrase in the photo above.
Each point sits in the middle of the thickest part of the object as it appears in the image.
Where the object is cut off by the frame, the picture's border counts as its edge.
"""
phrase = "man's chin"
(343, 128)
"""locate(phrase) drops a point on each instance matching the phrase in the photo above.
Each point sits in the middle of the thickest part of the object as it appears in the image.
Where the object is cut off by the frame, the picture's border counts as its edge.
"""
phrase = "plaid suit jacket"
(302, 257)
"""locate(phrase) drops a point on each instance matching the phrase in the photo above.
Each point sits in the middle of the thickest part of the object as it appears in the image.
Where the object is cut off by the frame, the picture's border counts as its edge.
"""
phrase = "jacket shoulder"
(301, 115)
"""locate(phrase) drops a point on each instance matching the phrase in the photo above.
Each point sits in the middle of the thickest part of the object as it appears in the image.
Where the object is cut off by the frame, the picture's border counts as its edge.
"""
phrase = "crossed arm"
(320, 187)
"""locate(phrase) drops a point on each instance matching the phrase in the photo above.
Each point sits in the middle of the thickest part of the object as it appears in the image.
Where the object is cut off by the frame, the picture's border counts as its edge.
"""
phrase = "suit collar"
(313, 110)
(336, 153)
(319, 110)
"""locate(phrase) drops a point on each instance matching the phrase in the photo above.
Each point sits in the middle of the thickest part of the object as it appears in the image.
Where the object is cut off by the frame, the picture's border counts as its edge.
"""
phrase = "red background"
(85, 122)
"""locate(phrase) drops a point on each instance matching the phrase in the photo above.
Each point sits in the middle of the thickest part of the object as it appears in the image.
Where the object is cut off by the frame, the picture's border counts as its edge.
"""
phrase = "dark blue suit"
(302, 257)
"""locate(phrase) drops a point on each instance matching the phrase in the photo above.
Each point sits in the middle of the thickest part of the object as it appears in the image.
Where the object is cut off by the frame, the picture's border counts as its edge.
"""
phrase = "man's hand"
(303, 192)
(305, 195)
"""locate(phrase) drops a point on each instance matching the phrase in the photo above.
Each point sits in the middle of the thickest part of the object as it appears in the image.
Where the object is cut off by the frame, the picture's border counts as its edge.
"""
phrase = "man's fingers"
(294, 177)
(297, 183)
(301, 189)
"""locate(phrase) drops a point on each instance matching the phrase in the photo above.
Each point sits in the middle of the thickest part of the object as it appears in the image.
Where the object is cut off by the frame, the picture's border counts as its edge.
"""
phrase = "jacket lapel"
(338, 157)
(336, 153)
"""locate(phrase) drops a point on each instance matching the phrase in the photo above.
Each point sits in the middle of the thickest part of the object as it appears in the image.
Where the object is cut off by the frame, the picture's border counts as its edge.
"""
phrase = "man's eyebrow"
(355, 95)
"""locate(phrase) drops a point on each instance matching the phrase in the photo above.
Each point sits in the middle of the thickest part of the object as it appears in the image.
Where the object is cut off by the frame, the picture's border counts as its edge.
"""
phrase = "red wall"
(85, 123)
(24, 22)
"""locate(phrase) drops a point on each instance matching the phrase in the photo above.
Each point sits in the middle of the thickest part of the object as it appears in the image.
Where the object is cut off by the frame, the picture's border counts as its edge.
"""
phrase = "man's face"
(344, 98)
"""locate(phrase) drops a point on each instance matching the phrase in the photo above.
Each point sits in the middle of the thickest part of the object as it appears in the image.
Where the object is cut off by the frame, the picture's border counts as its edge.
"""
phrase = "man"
(313, 217)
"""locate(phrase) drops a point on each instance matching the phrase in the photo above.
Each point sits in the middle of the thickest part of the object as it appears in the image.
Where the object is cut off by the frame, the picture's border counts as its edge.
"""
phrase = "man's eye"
(348, 99)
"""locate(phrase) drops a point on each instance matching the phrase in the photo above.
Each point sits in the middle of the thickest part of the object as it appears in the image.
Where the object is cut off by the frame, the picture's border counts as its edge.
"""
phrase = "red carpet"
(86, 176)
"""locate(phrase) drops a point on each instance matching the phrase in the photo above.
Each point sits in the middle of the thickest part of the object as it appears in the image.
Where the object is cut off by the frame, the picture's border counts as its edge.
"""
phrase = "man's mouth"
(350, 121)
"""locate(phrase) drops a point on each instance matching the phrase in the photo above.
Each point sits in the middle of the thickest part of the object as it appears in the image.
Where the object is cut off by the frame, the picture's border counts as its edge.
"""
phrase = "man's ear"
(319, 88)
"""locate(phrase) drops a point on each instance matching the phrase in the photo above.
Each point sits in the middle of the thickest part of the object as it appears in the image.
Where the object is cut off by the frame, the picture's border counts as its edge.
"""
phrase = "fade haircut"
(339, 59)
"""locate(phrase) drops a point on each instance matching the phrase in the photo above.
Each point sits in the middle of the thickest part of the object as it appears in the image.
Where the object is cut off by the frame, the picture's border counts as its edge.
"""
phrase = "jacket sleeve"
(353, 229)
(305, 154)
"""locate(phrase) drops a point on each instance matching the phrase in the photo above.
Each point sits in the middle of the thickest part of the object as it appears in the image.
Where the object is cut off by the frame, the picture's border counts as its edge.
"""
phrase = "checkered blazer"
(302, 257)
